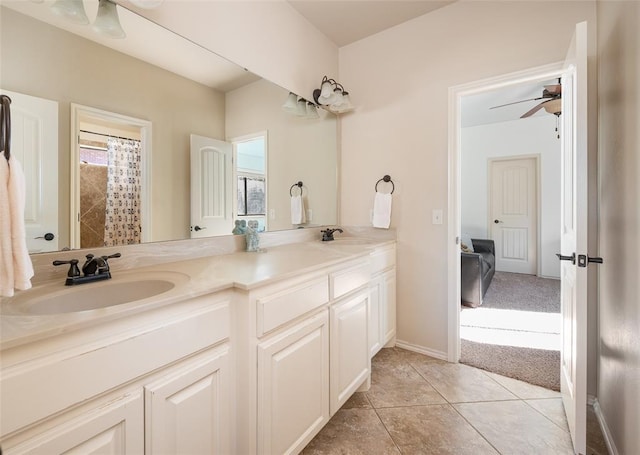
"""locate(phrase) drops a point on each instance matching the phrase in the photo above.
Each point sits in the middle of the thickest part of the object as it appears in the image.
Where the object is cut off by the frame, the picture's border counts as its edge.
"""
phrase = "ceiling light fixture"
(147, 4)
(72, 10)
(107, 22)
(333, 96)
(300, 107)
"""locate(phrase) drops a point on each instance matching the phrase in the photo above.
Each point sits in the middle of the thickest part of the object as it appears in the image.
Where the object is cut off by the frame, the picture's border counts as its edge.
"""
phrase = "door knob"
(571, 258)
(497, 221)
(198, 228)
(583, 260)
(48, 237)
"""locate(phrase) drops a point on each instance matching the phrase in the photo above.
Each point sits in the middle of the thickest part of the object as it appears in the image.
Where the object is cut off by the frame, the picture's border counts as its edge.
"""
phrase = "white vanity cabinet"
(155, 382)
(114, 427)
(350, 361)
(382, 307)
(307, 354)
(293, 386)
(187, 409)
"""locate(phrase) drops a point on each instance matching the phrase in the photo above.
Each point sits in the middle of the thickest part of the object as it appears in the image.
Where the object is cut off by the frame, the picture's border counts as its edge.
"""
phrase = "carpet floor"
(517, 293)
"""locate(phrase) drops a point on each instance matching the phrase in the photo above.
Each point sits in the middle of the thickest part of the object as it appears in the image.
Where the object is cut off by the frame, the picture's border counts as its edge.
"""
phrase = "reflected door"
(211, 187)
(34, 142)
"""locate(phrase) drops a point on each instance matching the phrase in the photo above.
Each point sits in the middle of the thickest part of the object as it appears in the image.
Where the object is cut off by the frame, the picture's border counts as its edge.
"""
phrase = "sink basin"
(92, 296)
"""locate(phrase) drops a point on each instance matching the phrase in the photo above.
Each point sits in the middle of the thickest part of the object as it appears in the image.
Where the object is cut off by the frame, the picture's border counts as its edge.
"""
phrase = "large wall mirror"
(159, 90)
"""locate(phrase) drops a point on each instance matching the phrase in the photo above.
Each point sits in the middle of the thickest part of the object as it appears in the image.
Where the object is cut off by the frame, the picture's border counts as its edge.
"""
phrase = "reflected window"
(251, 178)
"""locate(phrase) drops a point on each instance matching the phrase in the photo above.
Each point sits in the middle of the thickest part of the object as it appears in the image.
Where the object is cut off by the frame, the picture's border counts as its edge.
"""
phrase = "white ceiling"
(346, 21)
(477, 109)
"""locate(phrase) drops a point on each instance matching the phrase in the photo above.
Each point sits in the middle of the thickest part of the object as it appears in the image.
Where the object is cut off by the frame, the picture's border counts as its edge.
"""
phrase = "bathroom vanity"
(247, 353)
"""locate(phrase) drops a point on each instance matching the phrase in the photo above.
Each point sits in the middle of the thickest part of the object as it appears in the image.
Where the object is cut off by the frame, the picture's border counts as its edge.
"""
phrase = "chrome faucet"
(95, 268)
(327, 234)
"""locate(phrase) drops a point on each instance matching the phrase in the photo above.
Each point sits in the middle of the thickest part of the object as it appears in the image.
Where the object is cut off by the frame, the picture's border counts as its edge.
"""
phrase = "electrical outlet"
(436, 216)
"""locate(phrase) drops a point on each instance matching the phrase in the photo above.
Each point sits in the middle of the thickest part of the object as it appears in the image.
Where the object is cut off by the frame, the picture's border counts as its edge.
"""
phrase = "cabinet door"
(377, 314)
(113, 428)
(187, 411)
(389, 306)
(293, 386)
(349, 348)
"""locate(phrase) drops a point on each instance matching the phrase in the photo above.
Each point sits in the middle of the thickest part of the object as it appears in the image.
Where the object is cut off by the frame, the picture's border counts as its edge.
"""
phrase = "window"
(251, 195)
(251, 179)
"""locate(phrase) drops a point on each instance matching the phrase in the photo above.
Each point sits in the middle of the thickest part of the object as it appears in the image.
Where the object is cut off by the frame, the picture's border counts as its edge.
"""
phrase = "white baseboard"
(422, 350)
(608, 439)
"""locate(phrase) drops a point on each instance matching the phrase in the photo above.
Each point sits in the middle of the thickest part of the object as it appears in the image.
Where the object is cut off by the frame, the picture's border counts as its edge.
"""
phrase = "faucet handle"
(103, 266)
(73, 267)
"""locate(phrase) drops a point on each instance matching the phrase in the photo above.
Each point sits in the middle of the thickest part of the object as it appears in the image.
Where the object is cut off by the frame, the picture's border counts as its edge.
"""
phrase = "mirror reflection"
(150, 96)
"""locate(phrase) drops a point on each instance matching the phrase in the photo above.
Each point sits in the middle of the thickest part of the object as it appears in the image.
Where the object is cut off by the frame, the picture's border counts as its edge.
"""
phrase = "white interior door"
(211, 188)
(34, 142)
(514, 214)
(574, 238)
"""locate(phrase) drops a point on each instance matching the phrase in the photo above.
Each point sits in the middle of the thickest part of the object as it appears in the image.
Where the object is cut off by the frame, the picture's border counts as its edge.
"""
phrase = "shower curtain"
(122, 217)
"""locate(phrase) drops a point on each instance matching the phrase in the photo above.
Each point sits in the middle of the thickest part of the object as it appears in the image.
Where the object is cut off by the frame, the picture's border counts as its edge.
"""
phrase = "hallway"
(418, 404)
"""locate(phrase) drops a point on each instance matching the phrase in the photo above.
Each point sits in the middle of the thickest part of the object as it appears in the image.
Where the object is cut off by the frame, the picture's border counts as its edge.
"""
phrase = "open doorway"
(508, 221)
(110, 179)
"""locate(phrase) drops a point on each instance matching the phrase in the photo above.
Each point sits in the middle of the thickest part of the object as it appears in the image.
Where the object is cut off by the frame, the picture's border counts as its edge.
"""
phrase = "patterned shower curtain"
(122, 217)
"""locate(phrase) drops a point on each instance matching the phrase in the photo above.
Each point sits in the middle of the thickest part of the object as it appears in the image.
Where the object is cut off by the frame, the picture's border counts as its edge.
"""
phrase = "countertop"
(193, 278)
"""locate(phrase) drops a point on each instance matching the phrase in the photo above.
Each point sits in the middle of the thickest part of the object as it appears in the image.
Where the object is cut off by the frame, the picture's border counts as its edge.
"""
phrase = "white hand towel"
(382, 210)
(297, 210)
(16, 268)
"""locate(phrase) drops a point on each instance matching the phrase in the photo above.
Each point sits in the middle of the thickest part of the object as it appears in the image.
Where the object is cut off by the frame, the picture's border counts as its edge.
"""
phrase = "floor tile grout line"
(544, 415)
(476, 429)
(386, 429)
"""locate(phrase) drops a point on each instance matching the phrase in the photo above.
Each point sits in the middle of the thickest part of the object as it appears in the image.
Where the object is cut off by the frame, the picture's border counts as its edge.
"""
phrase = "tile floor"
(421, 405)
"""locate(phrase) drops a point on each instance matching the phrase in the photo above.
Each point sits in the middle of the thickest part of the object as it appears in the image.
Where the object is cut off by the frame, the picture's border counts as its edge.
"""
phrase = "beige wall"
(619, 172)
(299, 150)
(269, 38)
(43, 61)
(399, 80)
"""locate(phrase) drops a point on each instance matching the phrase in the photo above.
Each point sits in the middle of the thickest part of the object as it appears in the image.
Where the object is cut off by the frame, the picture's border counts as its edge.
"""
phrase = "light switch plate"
(436, 216)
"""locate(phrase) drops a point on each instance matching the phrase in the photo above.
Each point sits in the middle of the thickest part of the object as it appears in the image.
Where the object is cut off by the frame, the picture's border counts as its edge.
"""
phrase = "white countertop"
(241, 270)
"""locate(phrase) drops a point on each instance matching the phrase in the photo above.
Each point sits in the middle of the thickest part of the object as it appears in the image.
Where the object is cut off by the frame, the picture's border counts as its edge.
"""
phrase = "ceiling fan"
(551, 94)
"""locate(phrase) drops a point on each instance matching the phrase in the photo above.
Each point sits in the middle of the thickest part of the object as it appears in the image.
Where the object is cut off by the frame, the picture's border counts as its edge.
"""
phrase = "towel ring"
(299, 185)
(386, 178)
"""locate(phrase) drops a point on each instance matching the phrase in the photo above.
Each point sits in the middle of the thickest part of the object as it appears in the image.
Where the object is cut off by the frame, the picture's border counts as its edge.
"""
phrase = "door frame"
(79, 111)
(538, 192)
(456, 93)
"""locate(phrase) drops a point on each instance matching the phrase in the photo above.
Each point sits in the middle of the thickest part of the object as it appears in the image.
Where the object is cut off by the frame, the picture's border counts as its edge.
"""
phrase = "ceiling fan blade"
(535, 109)
(516, 102)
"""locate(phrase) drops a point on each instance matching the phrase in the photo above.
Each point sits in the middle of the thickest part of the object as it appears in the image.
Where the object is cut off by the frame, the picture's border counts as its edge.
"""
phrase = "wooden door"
(573, 241)
(211, 187)
(514, 214)
(34, 142)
